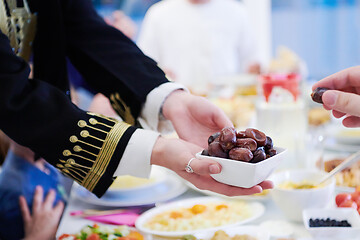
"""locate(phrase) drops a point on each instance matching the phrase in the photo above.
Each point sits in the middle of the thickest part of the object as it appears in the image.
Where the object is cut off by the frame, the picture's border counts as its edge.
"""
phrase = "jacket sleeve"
(82, 145)
(109, 61)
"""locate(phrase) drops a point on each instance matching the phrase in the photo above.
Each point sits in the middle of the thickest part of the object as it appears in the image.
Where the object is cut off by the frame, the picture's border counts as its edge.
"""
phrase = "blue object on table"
(19, 177)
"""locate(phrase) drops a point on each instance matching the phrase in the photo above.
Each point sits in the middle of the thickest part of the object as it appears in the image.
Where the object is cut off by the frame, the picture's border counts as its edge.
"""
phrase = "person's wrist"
(171, 104)
(157, 152)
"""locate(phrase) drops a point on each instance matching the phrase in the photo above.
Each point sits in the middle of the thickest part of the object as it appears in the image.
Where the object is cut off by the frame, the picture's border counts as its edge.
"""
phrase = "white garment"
(199, 43)
(137, 155)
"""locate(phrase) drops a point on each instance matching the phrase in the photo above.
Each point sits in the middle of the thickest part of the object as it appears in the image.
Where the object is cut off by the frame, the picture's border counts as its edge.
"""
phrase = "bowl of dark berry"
(333, 223)
(247, 157)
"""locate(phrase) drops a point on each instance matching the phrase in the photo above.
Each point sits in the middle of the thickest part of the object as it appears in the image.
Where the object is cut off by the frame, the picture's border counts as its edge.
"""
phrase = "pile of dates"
(250, 145)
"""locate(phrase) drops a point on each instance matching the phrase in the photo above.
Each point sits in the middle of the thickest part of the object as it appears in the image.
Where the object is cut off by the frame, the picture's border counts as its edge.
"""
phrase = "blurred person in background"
(196, 42)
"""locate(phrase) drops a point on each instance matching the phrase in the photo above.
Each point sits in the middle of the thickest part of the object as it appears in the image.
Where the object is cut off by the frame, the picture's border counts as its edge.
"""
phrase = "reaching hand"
(45, 218)
(175, 155)
(194, 118)
(343, 98)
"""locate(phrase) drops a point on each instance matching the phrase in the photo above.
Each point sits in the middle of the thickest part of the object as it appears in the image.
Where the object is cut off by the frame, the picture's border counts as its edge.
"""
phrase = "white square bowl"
(339, 214)
(244, 174)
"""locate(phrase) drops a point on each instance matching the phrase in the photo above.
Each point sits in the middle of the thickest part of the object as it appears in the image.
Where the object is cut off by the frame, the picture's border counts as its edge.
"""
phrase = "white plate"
(247, 197)
(333, 145)
(168, 189)
(257, 209)
(343, 135)
(157, 176)
(253, 231)
(349, 214)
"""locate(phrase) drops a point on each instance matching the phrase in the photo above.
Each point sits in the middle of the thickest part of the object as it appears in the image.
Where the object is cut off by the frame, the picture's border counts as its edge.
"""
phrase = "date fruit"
(271, 152)
(216, 150)
(257, 135)
(227, 138)
(241, 134)
(269, 143)
(316, 95)
(205, 152)
(259, 155)
(213, 137)
(248, 143)
(240, 154)
(251, 145)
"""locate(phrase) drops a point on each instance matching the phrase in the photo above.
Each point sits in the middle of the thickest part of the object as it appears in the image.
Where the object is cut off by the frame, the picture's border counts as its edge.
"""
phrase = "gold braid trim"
(105, 155)
(19, 26)
(121, 108)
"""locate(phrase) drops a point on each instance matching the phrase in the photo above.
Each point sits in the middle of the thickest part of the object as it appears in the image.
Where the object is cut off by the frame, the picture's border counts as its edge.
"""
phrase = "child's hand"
(43, 222)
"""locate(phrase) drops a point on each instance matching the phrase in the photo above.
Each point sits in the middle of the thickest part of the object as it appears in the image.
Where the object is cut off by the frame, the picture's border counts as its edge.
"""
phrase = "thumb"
(344, 102)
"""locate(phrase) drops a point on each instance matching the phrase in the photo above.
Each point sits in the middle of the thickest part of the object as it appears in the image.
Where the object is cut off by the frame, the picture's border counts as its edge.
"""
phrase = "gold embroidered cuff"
(93, 149)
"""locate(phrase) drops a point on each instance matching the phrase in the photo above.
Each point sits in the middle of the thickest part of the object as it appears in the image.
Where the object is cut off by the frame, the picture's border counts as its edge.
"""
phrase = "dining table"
(73, 224)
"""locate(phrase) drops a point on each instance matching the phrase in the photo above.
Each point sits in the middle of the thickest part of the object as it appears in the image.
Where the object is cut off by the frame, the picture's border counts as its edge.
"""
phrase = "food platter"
(128, 184)
(165, 190)
(253, 231)
(256, 209)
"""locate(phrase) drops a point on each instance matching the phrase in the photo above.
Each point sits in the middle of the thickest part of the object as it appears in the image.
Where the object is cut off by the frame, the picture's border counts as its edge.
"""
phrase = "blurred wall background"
(325, 33)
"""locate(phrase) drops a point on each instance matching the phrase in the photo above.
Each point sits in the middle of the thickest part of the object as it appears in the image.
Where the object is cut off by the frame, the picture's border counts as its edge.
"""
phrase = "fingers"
(341, 80)
(266, 185)
(38, 198)
(25, 212)
(49, 200)
(59, 208)
(205, 167)
(338, 114)
(351, 121)
(342, 102)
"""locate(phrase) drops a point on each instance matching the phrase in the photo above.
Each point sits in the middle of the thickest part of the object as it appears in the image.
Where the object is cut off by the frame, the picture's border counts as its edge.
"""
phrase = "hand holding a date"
(341, 95)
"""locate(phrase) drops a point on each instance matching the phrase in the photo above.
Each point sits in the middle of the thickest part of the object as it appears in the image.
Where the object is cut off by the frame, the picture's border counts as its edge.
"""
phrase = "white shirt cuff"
(150, 113)
(137, 155)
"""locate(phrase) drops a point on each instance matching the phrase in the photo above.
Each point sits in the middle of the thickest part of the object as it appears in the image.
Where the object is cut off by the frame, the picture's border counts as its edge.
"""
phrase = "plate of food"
(125, 184)
(346, 180)
(197, 215)
(104, 232)
(235, 233)
(170, 188)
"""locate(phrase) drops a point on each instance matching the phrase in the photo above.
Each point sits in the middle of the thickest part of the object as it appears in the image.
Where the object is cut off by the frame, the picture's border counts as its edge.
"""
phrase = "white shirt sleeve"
(136, 158)
(137, 155)
(150, 114)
